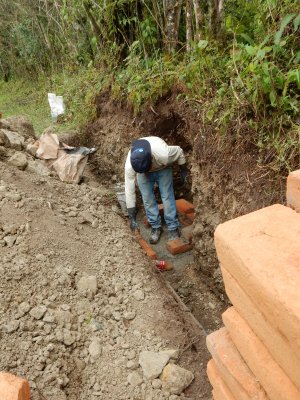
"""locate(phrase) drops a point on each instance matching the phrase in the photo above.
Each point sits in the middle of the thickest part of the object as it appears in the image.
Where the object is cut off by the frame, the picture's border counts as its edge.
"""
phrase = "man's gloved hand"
(132, 217)
(183, 173)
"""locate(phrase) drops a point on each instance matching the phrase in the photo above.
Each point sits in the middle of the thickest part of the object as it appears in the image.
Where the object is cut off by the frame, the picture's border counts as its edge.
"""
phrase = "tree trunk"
(96, 27)
(189, 31)
(172, 16)
(198, 19)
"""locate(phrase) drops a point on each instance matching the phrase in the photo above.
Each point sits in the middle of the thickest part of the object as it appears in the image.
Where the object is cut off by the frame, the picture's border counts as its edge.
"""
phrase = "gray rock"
(38, 312)
(135, 379)
(20, 124)
(175, 379)
(68, 337)
(12, 326)
(129, 315)
(132, 364)
(3, 152)
(31, 149)
(139, 295)
(95, 348)
(37, 167)
(87, 216)
(80, 364)
(4, 139)
(152, 363)
(13, 196)
(172, 353)
(156, 384)
(23, 308)
(95, 223)
(10, 240)
(18, 160)
(87, 284)
(62, 317)
(41, 257)
(15, 140)
(131, 354)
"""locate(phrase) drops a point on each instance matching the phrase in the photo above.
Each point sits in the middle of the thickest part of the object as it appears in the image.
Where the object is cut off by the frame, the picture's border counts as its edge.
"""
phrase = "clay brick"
(186, 212)
(177, 246)
(276, 383)
(220, 391)
(187, 233)
(232, 368)
(146, 247)
(293, 190)
(184, 207)
(276, 344)
(13, 388)
(146, 223)
(261, 251)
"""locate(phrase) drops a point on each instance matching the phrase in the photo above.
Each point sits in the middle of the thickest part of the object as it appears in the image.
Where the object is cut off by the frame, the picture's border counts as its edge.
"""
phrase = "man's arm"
(175, 153)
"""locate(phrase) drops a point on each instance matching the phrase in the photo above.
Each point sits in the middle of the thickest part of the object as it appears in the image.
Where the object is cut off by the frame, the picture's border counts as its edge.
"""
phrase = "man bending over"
(150, 160)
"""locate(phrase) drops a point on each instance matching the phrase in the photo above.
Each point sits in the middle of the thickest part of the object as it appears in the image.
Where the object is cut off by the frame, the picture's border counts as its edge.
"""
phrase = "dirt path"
(79, 300)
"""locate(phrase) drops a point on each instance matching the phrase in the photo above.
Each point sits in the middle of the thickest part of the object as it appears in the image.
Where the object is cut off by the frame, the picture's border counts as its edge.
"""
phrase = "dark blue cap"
(141, 157)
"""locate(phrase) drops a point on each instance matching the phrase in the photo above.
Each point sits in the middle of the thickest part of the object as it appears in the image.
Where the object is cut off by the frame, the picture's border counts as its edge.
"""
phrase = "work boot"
(174, 234)
(155, 235)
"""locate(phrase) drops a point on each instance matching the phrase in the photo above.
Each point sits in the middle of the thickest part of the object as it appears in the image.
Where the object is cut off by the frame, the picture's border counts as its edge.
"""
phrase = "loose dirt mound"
(79, 300)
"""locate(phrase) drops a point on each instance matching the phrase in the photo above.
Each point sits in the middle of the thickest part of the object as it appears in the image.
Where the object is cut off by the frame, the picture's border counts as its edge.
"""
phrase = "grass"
(30, 98)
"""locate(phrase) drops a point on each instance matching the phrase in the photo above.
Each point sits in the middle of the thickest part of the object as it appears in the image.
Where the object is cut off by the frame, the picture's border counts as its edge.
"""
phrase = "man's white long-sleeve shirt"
(162, 157)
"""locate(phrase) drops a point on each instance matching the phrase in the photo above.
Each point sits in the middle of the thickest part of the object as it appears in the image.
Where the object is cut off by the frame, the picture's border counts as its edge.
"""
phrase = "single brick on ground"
(146, 247)
(220, 389)
(276, 344)
(261, 250)
(293, 190)
(177, 246)
(232, 368)
(13, 388)
(276, 383)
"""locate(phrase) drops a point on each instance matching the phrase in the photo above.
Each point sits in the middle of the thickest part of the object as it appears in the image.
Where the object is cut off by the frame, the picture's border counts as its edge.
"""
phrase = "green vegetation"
(237, 60)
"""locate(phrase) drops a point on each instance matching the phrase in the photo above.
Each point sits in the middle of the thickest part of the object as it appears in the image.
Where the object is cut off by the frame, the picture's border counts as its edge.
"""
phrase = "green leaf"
(273, 98)
(285, 21)
(210, 114)
(247, 38)
(202, 44)
(294, 76)
(260, 54)
(251, 50)
(296, 22)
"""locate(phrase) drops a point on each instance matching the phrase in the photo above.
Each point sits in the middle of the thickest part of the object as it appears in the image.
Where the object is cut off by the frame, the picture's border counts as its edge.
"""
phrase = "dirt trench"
(226, 181)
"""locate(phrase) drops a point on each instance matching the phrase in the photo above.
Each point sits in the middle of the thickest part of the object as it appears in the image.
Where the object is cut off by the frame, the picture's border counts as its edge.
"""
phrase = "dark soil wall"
(226, 181)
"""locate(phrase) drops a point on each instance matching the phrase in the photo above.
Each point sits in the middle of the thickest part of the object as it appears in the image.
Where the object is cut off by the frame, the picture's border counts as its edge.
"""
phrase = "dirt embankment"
(226, 180)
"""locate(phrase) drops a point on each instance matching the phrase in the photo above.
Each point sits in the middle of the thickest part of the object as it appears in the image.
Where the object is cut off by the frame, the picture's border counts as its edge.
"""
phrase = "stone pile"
(18, 145)
(257, 354)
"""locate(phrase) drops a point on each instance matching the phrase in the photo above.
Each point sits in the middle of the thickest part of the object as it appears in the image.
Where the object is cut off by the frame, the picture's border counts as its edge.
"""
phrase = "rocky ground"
(83, 313)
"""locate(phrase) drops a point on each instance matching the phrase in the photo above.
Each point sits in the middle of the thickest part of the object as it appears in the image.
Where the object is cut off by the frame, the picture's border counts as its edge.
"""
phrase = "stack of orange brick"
(257, 354)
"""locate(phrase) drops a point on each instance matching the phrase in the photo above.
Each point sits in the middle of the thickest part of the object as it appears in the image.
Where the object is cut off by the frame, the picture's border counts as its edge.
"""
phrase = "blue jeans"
(164, 179)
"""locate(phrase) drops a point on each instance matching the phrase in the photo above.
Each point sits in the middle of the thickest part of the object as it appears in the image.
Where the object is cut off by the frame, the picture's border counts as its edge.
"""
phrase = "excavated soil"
(79, 300)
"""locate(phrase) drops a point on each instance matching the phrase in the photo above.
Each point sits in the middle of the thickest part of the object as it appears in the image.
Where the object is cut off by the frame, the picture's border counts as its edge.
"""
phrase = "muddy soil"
(79, 300)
